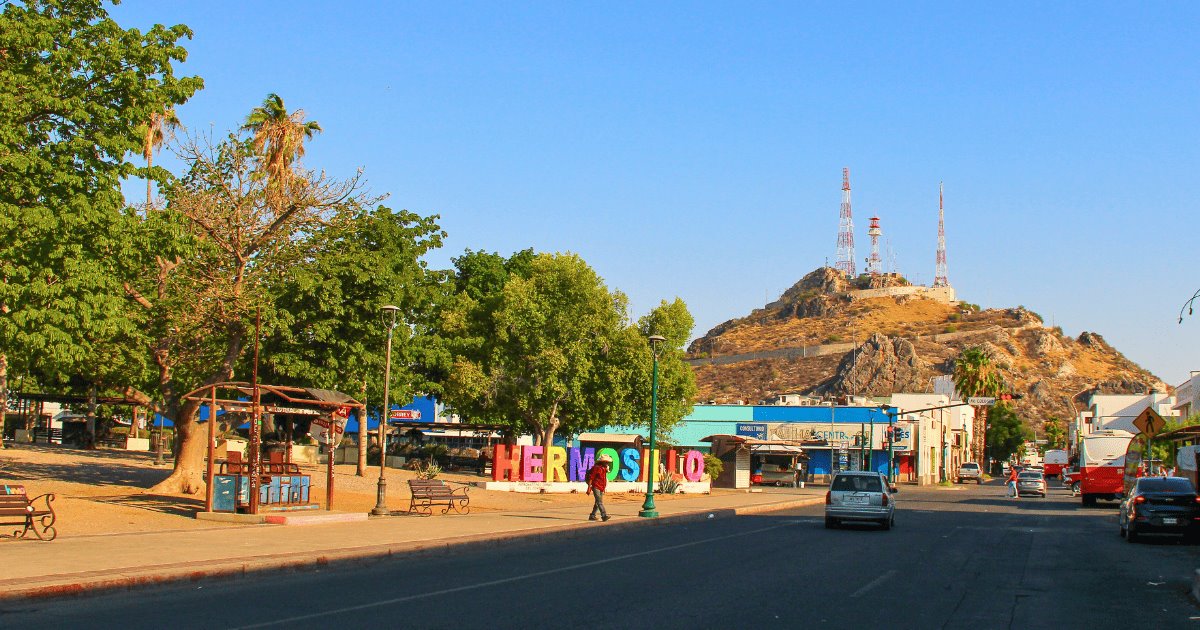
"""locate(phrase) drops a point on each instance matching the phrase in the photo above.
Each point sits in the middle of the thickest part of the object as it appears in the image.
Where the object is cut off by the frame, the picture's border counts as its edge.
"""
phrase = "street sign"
(981, 401)
(404, 414)
(1149, 423)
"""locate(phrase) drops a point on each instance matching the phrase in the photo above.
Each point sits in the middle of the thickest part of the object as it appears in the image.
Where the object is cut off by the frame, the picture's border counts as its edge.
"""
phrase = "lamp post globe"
(648, 508)
(390, 314)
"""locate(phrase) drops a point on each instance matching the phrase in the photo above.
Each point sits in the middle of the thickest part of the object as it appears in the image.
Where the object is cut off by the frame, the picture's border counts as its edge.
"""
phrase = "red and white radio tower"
(940, 277)
(874, 263)
(845, 242)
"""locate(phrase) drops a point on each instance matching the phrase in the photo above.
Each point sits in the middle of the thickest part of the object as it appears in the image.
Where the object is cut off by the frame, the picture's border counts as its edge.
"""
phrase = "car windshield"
(857, 483)
(971, 466)
(1165, 484)
(1027, 476)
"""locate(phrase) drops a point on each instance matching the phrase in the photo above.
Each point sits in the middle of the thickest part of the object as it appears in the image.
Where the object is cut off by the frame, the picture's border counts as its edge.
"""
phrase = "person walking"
(597, 481)
(1012, 482)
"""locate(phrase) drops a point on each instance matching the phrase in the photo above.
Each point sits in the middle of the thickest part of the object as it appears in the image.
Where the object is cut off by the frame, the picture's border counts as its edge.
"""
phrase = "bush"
(668, 484)
(427, 470)
(713, 466)
(951, 328)
(833, 339)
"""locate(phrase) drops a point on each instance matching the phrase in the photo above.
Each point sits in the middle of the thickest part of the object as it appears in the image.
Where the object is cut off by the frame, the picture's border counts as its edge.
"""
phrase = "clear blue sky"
(695, 149)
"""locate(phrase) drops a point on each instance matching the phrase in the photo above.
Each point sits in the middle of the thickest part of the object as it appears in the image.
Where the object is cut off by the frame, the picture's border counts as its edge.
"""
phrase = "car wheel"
(1131, 534)
(1122, 531)
(886, 524)
(1075, 488)
(830, 523)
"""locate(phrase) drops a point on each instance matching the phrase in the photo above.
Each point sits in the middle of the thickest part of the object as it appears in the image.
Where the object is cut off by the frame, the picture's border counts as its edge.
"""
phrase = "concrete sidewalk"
(116, 561)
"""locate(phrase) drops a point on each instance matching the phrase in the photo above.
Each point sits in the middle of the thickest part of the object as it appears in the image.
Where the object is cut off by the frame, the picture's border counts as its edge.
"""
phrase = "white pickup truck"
(969, 471)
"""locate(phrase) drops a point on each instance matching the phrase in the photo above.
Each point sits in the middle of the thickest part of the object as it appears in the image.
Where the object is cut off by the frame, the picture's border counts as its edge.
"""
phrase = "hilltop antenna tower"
(874, 263)
(940, 277)
(845, 242)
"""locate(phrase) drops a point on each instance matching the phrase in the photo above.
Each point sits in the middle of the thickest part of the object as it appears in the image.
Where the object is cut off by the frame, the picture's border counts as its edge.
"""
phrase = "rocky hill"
(825, 336)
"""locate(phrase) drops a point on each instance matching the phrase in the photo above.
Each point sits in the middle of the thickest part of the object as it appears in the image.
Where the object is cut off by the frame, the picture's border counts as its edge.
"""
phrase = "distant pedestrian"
(1012, 483)
(597, 481)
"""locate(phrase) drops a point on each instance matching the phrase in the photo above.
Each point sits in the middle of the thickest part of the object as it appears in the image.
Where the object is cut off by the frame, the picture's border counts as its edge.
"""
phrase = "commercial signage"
(297, 411)
(838, 433)
(404, 414)
(755, 430)
(560, 464)
(319, 429)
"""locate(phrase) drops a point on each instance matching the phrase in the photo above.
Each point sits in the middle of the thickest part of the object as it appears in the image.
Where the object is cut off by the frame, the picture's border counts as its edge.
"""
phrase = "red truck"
(1102, 465)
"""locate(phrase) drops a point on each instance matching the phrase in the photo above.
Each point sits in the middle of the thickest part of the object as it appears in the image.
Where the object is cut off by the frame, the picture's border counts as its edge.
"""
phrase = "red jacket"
(597, 478)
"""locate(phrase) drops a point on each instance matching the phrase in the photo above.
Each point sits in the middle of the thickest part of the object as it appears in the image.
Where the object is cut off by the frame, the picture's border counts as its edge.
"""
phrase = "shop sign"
(559, 464)
(756, 430)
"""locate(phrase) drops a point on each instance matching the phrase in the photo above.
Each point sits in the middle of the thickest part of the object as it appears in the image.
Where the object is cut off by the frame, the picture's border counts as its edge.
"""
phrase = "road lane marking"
(872, 584)
(508, 580)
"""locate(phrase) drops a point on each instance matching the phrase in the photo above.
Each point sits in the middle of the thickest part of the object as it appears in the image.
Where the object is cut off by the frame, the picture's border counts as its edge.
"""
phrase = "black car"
(1160, 505)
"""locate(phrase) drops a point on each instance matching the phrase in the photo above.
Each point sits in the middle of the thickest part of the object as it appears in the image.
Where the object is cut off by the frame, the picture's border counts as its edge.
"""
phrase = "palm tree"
(279, 137)
(161, 127)
(976, 375)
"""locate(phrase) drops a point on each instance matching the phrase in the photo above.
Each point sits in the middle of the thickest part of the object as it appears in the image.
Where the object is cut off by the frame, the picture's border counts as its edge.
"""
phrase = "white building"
(942, 437)
(1117, 411)
(1187, 396)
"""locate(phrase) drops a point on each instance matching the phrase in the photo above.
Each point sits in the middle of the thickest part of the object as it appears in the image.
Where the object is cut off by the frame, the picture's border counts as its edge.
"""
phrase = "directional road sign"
(981, 401)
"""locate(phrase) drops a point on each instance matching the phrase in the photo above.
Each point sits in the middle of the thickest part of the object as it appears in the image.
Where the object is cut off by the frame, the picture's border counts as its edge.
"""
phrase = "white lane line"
(516, 578)
(872, 584)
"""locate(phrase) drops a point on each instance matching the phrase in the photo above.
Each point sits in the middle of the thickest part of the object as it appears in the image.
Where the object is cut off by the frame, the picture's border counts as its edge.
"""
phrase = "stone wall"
(940, 294)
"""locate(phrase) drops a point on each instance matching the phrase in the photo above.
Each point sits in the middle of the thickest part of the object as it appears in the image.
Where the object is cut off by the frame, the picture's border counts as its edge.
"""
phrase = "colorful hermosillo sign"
(534, 463)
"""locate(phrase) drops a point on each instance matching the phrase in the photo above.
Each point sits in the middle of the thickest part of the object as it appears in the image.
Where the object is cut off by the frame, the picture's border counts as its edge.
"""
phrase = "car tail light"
(828, 497)
(1197, 498)
(885, 500)
(1139, 499)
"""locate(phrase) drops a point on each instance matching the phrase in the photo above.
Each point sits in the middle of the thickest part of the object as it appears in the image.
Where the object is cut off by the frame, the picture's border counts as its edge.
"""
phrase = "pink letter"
(531, 464)
(693, 466)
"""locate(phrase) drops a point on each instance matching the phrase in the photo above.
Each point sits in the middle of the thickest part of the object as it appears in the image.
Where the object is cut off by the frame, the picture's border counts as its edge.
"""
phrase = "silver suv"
(860, 496)
(970, 471)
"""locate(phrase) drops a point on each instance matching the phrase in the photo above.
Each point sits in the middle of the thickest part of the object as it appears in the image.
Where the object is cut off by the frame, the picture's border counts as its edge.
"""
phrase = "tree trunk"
(362, 433)
(3, 395)
(91, 417)
(190, 448)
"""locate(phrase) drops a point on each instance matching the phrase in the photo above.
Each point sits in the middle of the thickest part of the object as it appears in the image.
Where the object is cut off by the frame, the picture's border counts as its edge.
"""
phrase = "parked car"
(860, 497)
(1005, 469)
(1160, 505)
(1031, 482)
(969, 471)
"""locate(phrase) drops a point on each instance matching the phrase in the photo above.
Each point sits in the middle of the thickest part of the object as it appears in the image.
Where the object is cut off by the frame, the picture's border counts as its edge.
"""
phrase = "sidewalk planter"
(137, 444)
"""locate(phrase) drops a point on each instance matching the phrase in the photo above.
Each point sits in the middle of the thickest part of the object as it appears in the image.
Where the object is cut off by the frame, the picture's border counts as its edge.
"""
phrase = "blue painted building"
(842, 429)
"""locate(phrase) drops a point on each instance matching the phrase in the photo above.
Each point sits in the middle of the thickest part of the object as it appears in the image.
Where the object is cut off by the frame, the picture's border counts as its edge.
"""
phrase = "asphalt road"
(965, 558)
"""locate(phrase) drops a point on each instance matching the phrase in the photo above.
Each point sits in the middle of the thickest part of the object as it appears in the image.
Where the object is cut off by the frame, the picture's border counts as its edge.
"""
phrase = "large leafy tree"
(328, 329)
(1056, 437)
(542, 345)
(1005, 432)
(75, 92)
(975, 374)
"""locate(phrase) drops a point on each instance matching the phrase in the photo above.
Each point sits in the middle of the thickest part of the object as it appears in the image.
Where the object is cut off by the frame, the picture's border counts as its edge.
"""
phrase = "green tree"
(1006, 432)
(1056, 437)
(75, 92)
(976, 375)
(548, 347)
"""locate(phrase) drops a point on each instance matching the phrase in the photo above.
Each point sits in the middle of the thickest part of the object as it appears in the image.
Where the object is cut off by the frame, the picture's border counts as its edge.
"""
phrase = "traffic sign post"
(1149, 423)
(981, 401)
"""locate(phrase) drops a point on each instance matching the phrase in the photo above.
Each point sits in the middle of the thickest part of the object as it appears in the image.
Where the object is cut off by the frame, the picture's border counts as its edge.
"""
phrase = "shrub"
(427, 470)
(668, 484)
(951, 328)
(833, 339)
(713, 465)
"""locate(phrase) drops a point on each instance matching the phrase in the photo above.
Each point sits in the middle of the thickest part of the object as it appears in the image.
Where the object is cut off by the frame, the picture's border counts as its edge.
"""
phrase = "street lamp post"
(381, 508)
(648, 509)
(891, 416)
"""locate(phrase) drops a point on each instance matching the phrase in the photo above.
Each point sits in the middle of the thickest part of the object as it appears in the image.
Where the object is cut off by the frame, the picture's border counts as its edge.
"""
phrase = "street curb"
(240, 567)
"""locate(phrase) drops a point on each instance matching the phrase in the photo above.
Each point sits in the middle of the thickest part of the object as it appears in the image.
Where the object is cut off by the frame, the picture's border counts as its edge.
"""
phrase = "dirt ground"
(104, 491)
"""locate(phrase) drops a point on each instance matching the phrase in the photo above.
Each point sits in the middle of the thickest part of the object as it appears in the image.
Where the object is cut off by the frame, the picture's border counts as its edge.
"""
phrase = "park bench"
(429, 492)
(17, 509)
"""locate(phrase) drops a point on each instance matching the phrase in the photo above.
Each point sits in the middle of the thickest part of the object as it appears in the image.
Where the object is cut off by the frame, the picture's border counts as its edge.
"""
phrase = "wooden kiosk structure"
(324, 407)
